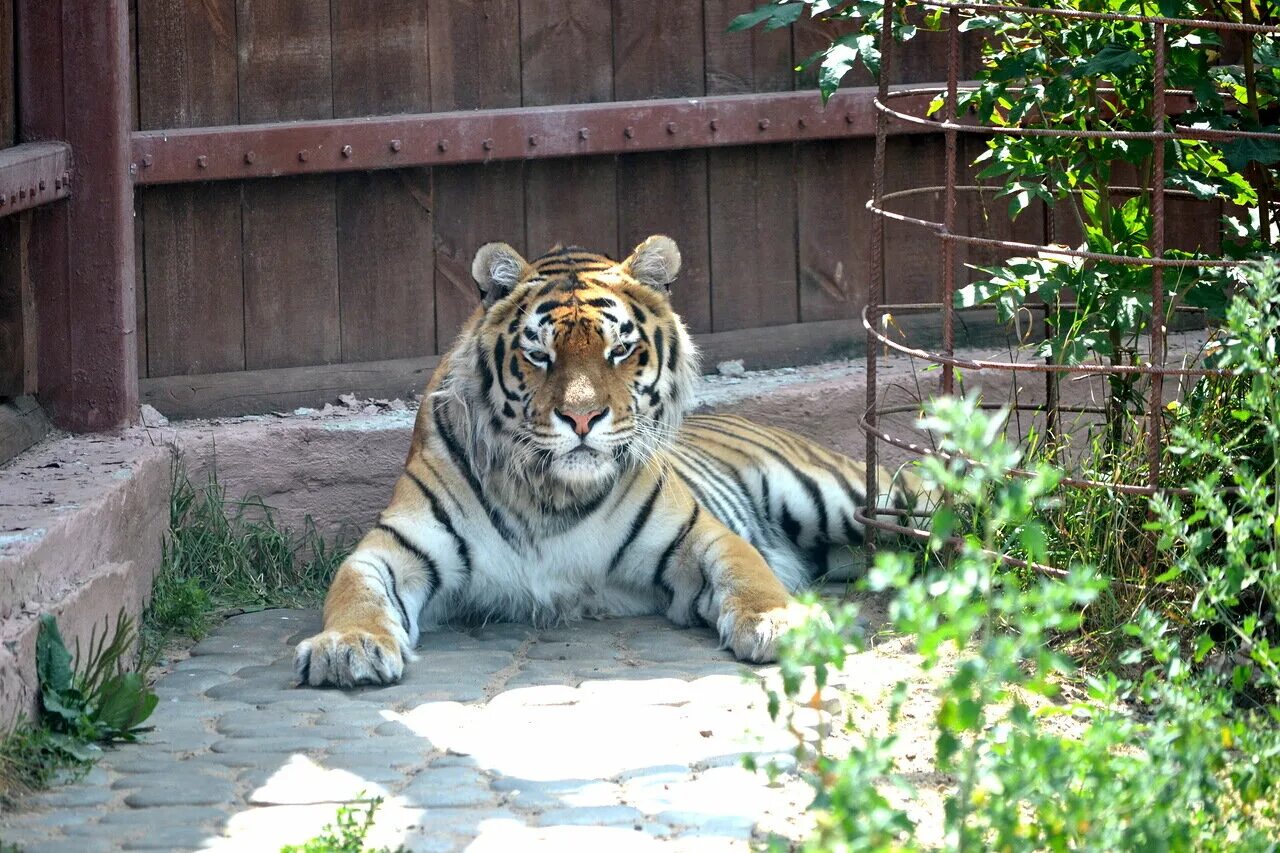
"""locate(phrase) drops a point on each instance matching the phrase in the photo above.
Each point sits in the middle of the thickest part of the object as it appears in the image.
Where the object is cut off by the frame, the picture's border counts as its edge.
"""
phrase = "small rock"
(305, 412)
(152, 418)
(736, 367)
(349, 400)
(369, 410)
(397, 405)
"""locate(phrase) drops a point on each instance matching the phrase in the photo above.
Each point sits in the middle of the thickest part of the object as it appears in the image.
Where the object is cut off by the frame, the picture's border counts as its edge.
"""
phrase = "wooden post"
(73, 72)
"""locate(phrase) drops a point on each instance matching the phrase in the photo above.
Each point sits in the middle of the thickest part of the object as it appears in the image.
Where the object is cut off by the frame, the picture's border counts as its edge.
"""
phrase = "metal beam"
(436, 139)
(34, 174)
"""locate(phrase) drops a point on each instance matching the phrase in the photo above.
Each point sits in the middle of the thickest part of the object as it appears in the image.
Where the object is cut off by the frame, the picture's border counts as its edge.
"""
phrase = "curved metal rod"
(941, 233)
(1033, 367)
(1193, 23)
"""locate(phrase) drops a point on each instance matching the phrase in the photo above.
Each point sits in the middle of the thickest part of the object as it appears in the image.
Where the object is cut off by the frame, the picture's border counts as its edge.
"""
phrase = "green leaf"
(1242, 152)
(53, 661)
(1115, 59)
(773, 15)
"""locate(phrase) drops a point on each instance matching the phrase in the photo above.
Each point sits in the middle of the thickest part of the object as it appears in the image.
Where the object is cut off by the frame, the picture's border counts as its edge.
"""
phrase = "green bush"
(1179, 749)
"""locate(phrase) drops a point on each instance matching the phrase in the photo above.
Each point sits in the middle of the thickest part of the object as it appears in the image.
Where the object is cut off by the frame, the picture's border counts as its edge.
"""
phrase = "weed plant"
(222, 554)
(346, 834)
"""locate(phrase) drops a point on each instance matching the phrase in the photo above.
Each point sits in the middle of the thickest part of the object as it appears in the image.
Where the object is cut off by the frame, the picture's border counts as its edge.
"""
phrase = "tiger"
(556, 472)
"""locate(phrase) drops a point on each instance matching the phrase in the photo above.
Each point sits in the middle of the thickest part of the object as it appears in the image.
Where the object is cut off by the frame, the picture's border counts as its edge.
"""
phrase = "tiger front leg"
(370, 622)
(723, 579)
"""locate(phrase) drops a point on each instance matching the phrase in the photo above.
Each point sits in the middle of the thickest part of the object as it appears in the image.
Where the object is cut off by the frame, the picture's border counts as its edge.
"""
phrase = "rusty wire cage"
(906, 105)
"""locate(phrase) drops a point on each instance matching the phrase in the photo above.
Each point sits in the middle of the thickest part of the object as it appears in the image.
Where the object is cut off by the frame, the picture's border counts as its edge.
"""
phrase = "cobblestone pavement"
(612, 735)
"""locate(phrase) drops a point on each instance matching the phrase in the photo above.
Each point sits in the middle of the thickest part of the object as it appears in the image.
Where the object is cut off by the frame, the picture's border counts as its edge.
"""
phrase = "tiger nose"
(582, 422)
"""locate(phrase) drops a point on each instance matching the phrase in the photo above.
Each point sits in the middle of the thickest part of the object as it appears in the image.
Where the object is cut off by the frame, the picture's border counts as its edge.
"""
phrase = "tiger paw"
(754, 637)
(348, 659)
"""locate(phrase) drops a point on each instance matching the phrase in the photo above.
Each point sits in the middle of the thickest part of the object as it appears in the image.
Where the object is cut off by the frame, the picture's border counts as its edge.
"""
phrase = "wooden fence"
(265, 293)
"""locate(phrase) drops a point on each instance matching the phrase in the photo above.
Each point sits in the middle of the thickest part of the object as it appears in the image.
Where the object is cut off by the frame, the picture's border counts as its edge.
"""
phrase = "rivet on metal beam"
(763, 124)
(3, 201)
(249, 157)
(57, 185)
(801, 122)
(396, 145)
(32, 192)
(22, 193)
(533, 141)
(715, 125)
(487, 145)
(13, 198)
(442, 146)
(671, 127)
(42, 185)
(582, 133)
(629, 132)
(848, 118)
(202, 162)
(147, 160)
(303, 155)
(346, 151)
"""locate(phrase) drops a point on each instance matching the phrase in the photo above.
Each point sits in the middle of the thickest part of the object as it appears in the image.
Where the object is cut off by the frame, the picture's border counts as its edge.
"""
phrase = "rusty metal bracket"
(34, 174)
(434, 139)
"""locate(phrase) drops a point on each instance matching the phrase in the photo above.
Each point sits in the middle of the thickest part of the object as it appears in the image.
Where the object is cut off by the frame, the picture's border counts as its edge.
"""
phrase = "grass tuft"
(223, 555)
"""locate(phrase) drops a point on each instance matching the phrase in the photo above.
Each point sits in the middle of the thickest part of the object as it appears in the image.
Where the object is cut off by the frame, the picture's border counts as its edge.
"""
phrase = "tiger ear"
(497, 269)
(655, 262)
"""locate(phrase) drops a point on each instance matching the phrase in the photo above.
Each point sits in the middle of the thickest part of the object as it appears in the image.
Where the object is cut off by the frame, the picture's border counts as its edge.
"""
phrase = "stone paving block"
(448, 787)
(534, 696)
(73, 796)
(164, 791)
(375, 773)
(592, 816)
(571, 651)
(271, 745)
(302, 781)
(166, 816)
(645, 691)
(502, 838)
(70, 845)
(497, 631)
(533, 795)
(172, 838)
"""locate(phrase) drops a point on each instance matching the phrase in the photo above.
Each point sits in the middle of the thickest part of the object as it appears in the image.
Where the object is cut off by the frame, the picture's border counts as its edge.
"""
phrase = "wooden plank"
(572, 202)
(566, 49)
(290, 226)
(187, 63)
(140, 283)
(381, 62)
(750, 61)
(385, 263)
(665, 193)
(658, 53)
(833, 181)
(475, 64)
(658, 49)
(381, 66)
(475, 205)
(74, 87)
(285, 69)
(566, 57)
(475, 53)
(284, 389)
(751, 198)
(753, 237)
(913, 265)
(22, 424)
(195, 295)
(8, 90)
(290, 273)
(18, 354)
(192, 292)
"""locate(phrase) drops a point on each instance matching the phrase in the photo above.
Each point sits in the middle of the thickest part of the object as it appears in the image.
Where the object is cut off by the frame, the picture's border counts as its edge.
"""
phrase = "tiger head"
(579, 366)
